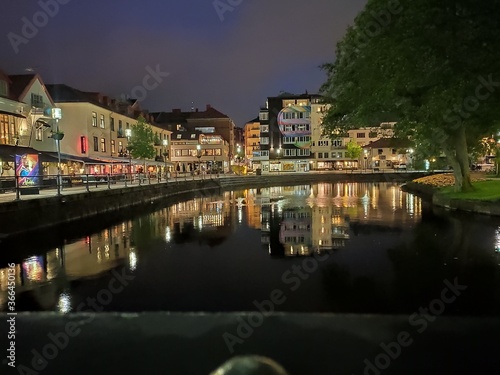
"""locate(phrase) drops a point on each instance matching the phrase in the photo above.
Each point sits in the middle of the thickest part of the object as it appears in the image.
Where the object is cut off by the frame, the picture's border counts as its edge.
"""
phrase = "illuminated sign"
(83, 144)
(28, 170)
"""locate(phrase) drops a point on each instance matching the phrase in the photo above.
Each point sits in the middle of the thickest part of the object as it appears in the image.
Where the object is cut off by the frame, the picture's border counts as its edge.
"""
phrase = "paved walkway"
(10, 196)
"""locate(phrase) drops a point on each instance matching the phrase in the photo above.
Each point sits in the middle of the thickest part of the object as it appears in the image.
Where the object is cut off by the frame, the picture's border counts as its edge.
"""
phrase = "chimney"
(196, 109)
(208, 106)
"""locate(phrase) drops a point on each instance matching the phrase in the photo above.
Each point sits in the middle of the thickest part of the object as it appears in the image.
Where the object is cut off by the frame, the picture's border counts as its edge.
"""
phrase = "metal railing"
(87, 182)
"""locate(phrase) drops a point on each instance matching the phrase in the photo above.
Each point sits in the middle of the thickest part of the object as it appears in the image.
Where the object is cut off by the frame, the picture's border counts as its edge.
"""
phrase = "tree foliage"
(432, 66)
(353, 150)
(141, 143)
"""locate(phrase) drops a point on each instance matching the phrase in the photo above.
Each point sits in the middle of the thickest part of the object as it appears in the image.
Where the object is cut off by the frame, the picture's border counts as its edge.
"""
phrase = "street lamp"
(128, 134)
(56, 114)
(165, 154)
(198, 155)
(16, 183)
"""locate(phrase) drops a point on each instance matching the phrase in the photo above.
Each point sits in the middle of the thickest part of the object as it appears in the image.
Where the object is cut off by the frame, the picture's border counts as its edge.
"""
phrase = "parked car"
(400, 166)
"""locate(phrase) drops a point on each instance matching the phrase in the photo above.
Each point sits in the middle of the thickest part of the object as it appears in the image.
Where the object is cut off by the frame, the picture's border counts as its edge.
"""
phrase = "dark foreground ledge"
(177, 343)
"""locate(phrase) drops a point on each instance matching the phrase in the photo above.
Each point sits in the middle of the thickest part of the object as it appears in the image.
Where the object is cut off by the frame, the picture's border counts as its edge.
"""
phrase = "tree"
(353, 150)
(141, 143)
(429, 65)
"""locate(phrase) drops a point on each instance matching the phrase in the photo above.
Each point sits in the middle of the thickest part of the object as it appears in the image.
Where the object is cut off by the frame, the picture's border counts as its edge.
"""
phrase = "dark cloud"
(260, 48)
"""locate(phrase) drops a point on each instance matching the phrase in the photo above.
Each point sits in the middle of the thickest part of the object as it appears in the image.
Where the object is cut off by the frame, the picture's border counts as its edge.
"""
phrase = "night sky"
(232, 60)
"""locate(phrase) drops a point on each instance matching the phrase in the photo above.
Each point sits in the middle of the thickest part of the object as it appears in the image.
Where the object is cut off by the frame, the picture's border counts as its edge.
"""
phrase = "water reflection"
(388, 253)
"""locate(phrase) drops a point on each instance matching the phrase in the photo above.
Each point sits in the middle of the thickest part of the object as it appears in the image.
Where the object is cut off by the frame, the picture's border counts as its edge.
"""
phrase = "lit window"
(94, 119)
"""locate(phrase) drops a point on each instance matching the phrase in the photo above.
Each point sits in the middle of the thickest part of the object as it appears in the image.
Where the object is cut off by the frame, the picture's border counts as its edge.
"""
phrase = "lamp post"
(16, 178)
(128, 134)
(365, 152)
(198, 155)
(165, 155)
(56, 114)
(410, 161)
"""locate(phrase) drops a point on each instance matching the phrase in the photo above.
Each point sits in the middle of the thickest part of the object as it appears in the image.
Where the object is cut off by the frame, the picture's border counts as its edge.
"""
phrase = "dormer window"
(36, 101)
(4, 88)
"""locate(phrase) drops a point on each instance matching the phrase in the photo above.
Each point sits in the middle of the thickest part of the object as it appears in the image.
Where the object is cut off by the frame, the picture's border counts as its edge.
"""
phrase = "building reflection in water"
(321, 217)
(293, 221)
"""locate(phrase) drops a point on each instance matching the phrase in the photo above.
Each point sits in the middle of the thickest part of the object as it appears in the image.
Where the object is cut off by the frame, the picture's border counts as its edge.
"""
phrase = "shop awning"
(7, 152)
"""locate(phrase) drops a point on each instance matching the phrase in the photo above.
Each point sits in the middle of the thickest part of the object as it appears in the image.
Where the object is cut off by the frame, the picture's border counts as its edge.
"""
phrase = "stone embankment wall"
(18, 217)
(440, 200)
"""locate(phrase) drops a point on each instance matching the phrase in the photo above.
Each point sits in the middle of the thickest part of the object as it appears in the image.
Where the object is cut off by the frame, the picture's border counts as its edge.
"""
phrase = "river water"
(324, 247)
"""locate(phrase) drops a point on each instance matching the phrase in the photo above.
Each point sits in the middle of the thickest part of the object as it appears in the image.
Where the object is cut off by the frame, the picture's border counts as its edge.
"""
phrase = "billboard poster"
(28, 170)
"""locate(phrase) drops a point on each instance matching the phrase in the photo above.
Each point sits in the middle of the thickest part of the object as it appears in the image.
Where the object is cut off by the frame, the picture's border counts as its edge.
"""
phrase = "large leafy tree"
(141, 143)
(432, 66)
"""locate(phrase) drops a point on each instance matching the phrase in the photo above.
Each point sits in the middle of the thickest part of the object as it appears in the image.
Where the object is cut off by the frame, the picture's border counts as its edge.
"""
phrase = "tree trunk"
(462, 174)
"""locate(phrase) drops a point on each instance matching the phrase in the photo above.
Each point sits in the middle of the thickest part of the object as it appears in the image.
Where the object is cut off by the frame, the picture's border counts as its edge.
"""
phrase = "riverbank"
(45, 211)
(485, 199)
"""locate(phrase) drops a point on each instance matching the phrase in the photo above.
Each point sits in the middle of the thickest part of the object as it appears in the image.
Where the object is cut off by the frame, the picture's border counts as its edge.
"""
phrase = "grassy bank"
(488, 190)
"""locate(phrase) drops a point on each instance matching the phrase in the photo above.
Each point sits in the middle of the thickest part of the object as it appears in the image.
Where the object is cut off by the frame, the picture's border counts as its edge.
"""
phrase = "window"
(4, 88)
(96, 144)
(264, 153)
(113, 146)
(4, 129)
(102, 122)
(120, 146)
(380, 151)
(103, 145)
(292, 152)
(177, 153)
(360, 135)
(179, 136)
(264, 116)
(323, 143)
(39, 133)
(120, 128)
(320, 155)
(112, 124)
(94, 120)
(393, 151)
(303, 152)
(337, 143)
(264, 128)
(36, 101)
